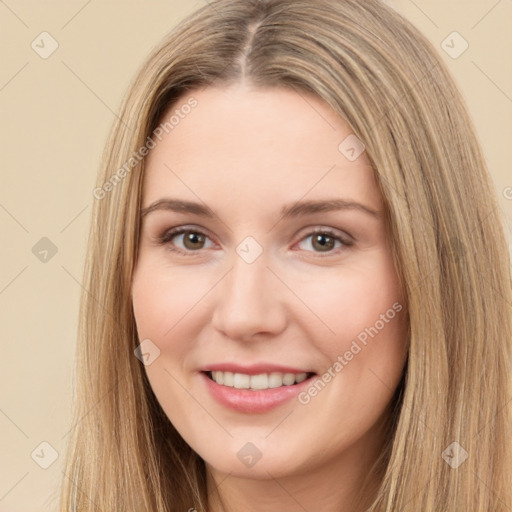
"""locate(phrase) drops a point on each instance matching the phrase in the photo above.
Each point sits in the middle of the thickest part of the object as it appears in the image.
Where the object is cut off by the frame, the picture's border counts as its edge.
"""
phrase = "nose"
(250, 301)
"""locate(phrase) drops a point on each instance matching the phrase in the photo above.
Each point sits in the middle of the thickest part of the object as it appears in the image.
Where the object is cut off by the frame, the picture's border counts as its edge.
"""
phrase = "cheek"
(365, 351)
(358, 300)
(365, 347)
(162, 300)
(330, 309)
(169, 303)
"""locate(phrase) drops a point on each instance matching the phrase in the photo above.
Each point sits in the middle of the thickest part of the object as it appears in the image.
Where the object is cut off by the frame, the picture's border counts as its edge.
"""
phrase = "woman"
(366, 369)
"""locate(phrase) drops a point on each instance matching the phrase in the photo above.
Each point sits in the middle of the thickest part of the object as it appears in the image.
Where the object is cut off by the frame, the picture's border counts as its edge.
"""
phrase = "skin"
(245, 153)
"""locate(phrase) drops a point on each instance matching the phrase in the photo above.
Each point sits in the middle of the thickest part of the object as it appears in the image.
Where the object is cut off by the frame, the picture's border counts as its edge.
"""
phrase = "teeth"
(228, 379)
(300, 377)
(257, 382)
(288, 379)
(241, 381)
(275, 380)
(218, 377)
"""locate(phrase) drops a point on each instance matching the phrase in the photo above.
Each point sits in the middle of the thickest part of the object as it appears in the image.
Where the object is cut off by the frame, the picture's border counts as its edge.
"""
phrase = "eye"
(193, 240)
(324, 239)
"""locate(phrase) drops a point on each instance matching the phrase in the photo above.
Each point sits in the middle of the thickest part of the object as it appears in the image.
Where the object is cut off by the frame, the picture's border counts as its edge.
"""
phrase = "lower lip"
(254, 401)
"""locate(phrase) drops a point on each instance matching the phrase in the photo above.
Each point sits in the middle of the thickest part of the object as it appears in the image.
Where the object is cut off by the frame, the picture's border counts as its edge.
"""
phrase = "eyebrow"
(297, 209)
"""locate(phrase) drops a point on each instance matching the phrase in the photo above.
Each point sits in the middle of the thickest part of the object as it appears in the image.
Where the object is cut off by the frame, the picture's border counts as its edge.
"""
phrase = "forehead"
(261, 145)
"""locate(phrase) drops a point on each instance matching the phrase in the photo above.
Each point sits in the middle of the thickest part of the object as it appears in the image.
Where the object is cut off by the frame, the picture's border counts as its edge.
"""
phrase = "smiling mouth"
(258, 382)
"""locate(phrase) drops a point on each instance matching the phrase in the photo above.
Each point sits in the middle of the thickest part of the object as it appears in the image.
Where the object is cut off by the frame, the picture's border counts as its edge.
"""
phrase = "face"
(274, 324)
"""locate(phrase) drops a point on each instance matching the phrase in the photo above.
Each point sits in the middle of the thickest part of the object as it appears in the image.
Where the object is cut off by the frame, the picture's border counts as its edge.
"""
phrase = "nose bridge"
(249, 300)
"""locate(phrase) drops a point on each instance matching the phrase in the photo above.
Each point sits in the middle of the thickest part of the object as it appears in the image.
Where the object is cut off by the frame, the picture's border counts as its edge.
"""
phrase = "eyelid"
(168, 234)
(319, 228)
(345, 238)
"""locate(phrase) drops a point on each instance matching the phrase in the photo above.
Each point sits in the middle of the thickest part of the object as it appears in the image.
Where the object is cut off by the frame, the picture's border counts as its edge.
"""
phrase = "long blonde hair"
(386, 80)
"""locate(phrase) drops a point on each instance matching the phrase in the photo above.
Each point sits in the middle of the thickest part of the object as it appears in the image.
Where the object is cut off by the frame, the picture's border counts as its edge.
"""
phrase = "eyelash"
(169, 235)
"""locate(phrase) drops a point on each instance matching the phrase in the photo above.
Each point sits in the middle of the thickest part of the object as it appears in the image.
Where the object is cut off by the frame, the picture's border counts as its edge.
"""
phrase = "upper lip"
(253, 369)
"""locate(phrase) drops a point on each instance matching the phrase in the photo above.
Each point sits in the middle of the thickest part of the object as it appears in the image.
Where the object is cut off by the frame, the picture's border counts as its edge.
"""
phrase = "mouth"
(259, 382)
(255, 391)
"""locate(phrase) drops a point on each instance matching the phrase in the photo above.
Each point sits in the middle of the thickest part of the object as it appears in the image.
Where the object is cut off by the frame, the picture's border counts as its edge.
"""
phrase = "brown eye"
(192, 240)
(324, 241)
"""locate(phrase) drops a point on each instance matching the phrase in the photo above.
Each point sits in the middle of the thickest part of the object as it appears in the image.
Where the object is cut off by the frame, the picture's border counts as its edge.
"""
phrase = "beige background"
(55, 115)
